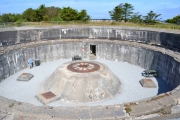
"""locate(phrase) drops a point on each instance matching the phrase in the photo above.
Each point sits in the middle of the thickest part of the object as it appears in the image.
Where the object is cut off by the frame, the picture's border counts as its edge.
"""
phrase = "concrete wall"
(24, 35)
(167, 67)
(8, 37)
(15, 60)
(170, 39)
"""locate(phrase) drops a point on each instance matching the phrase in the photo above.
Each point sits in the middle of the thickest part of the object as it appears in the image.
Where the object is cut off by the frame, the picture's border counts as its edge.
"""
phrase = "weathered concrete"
(162, 59)
(157, 104)
(146, 82)
(176, 109)
(91, 86)
(145, 56)
(27, 111)
(166, 117)
(27, 34)
(144, 108)
(25, 77)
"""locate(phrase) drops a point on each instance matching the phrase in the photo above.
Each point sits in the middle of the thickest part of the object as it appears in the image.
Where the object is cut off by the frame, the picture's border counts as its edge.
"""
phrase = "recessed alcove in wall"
(93, 49)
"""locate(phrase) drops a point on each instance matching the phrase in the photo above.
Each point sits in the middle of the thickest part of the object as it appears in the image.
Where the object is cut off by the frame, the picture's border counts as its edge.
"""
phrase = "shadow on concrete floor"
(163, 86)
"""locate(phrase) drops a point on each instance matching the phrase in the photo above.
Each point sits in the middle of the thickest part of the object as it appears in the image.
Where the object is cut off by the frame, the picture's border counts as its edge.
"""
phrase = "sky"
(97, 9)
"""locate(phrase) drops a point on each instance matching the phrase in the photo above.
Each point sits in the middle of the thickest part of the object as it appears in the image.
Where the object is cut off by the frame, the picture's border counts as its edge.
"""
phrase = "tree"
(174, 19)
(69, 14)
(116, 13)
(136, 18)
(18, 17)
(58, 16)
(43, 13)
(122, 12)
(40, 12)
(151, 17)
(6, 17)
(82, 15)
(1, 18)
(29, 15)
(51, 13)
(127, 10)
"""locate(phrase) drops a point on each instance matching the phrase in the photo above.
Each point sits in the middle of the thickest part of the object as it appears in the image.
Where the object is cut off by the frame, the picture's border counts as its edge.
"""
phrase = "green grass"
(11, 105)
(102, 23)
(128, 109)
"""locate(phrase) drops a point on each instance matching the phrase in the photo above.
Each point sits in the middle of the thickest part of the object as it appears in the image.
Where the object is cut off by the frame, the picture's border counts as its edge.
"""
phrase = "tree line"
(43, 13)
(124, 12)
(175, 20)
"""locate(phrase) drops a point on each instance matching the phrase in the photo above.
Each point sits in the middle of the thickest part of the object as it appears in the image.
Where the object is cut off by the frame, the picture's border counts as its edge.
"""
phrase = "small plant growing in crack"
(11, 105)
(128, 109)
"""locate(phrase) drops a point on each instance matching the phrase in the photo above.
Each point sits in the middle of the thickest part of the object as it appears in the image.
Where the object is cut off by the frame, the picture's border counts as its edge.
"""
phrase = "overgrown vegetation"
(151, 18)
(122, 15)
(43, 13)
(124, 12)
(174, 20)
(128, 109)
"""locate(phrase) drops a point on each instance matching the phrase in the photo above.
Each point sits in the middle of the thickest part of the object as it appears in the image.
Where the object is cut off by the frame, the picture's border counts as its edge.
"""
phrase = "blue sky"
(97, 9)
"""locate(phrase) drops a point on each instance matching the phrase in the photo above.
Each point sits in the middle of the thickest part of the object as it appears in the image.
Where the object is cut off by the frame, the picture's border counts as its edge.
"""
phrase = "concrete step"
(92, 57)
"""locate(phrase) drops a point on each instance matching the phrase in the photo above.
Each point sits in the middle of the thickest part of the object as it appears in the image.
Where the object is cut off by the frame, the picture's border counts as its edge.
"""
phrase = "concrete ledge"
(144, 108)
(152, 106)
(175, 95)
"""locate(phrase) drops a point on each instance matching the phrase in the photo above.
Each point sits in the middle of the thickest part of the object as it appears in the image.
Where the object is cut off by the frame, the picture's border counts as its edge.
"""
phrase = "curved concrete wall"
(15, 60)
(27, 34)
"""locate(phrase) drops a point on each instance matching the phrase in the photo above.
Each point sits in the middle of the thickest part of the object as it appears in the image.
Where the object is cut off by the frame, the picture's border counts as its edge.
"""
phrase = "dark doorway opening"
(93, 49)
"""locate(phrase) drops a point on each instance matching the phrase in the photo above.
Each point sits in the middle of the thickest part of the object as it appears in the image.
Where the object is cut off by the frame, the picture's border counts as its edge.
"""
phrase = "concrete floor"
(127, 73)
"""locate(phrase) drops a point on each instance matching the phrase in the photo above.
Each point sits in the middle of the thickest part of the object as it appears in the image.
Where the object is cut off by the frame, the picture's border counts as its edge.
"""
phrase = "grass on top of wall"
(92, 23)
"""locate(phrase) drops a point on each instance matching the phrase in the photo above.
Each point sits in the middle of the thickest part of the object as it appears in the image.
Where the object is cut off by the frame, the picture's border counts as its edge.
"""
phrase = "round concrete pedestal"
(81, 81)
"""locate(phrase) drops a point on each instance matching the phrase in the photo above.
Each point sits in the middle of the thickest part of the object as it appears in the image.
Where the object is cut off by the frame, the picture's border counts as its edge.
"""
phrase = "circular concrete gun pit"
(122, 44)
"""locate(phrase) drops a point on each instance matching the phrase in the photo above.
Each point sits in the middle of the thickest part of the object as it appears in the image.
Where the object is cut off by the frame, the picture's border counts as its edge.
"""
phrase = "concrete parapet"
(30, 34)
